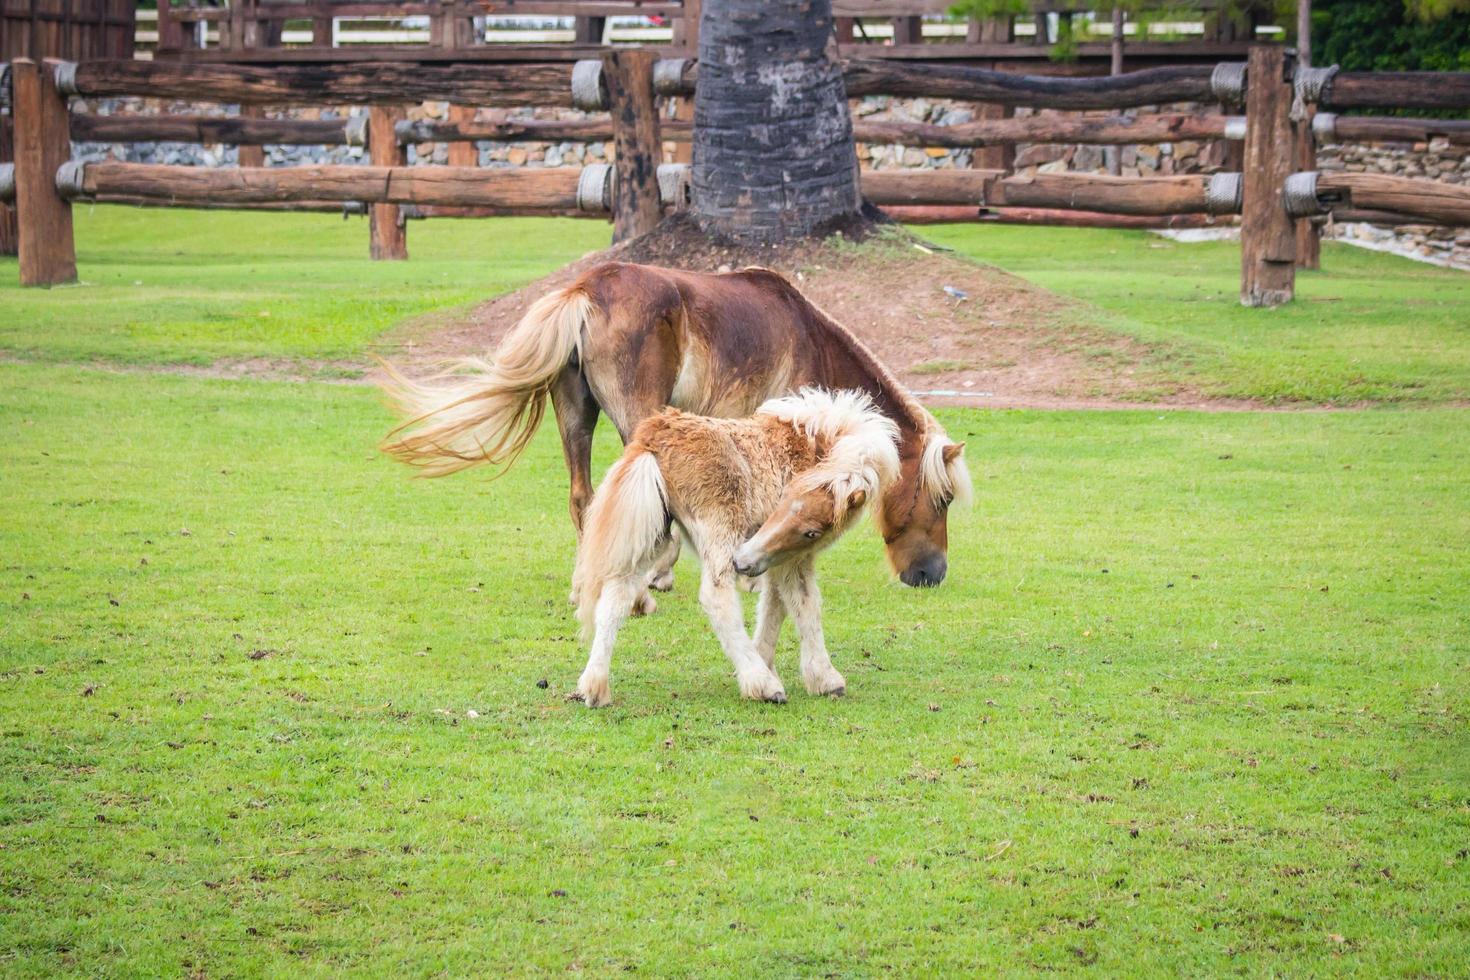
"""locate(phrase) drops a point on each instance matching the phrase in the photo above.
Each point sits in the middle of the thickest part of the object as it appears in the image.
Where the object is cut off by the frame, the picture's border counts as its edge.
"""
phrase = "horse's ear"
(857, 498)
(952, 452)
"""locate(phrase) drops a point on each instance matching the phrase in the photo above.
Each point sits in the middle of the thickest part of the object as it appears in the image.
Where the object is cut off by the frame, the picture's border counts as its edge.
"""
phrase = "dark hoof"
(840, 692)
(777, 698)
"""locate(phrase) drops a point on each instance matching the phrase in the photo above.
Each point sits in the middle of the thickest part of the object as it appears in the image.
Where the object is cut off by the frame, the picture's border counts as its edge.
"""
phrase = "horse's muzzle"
(925, 573)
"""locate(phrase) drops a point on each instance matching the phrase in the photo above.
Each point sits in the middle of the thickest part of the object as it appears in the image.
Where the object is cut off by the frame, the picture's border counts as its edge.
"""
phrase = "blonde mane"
(864, 441)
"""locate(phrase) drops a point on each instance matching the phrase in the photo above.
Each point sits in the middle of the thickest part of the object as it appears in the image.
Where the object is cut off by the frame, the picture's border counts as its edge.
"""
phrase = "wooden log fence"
(1277, 128)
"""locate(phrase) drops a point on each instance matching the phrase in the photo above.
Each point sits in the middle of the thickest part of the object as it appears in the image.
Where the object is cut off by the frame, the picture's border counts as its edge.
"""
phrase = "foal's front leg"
(594, 689)
(804, 602)
(722, 605)
(770, 613)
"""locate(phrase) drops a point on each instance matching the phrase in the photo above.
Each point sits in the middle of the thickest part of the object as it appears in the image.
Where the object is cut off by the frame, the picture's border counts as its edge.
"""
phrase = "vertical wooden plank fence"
(42, 145)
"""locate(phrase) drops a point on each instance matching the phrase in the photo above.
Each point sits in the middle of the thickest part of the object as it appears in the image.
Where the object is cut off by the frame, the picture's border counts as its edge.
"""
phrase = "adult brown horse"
(629, 340)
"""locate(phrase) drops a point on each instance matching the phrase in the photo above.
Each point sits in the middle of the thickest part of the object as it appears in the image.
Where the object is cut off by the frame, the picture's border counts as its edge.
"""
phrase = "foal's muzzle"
(925, 573)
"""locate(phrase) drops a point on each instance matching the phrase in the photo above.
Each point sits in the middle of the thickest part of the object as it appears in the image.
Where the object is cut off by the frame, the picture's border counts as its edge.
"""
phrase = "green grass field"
(1193, 699)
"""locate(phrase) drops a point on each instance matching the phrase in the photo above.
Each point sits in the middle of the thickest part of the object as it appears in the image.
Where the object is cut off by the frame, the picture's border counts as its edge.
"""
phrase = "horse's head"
(808, 517)
(913, 517)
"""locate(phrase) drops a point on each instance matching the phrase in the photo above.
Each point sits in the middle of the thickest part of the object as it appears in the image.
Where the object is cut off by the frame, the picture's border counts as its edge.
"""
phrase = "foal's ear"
(952, 452)
(857, 498)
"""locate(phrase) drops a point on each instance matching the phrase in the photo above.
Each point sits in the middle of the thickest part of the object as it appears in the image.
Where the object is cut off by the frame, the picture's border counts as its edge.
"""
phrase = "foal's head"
(810, 516)
(820, 504)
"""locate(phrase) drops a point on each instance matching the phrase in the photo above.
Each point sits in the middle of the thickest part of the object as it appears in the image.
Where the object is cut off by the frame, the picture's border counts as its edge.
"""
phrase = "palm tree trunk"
(773, 151)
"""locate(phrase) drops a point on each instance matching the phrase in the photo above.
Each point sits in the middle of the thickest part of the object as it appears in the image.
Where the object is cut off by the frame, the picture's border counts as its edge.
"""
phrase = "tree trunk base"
(681, 241)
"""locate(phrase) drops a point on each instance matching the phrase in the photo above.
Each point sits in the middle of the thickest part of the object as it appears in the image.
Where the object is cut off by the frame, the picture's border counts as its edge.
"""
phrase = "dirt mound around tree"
(956, 332)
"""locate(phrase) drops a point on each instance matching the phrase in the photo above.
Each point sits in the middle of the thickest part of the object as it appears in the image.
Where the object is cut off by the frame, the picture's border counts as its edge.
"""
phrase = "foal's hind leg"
(594, 688)
(804, 602)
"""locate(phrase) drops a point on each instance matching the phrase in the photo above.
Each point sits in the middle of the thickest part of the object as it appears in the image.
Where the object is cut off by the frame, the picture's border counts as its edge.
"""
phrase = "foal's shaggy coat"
(790, 479)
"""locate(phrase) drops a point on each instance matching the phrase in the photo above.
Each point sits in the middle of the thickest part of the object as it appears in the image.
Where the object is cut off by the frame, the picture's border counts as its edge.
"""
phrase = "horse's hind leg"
(594, 688)
(576, 419)
(804, 602)
(663, 569)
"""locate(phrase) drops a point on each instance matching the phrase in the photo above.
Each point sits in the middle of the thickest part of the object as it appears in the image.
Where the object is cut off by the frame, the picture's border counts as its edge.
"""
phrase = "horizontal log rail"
(1396, 90)
(1151, 196)
(953, 214)
(1165, 128)
(238, 130)
(1432, 201)
(1329, 127)
(464, 186)
(1151, 86)
(357, 83)
(886, 187)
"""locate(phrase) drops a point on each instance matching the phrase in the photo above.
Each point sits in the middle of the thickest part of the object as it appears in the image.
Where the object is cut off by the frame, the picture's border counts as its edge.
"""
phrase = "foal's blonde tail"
(480, 411)
(623, 531)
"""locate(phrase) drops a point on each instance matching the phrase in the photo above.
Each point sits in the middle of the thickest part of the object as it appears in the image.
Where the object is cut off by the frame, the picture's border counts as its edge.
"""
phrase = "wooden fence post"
(463, 153)
(389, 236)
(8, 230)
(251, 155)
(1267, 232)
(1308, 232)
(628, 73)
(42, 144)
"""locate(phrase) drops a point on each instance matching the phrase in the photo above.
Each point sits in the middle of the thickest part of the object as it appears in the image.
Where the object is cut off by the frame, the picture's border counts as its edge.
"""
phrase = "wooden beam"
(1431, 201)
(1153, 196)
(389, 235)
(42, 144)
(1304, 158)
(1164, 128)
(1267, 232)
(462, 152)
(885, 187)
(1351, 129)
(1398, 90)
(551, 187)
(359, 83)
(628, 73)
(1151, 86)
(251, 154)
(937, 215)
(239, 130)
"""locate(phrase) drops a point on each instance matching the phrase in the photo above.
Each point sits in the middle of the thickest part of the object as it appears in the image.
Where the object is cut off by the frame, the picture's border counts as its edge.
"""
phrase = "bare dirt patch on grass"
(956, 332)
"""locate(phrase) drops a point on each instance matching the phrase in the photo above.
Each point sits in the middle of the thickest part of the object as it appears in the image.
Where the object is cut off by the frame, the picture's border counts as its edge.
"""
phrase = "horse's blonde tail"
(624, 531)
(480, 411)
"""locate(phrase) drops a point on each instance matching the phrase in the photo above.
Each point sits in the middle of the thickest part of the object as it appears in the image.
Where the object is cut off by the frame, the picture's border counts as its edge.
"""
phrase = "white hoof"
(644, 605)
(594, 690)
(762, 686)
(830, 684)
(662, 582)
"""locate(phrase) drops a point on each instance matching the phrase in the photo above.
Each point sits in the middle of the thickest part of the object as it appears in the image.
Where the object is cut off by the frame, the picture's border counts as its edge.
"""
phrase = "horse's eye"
(813, 535)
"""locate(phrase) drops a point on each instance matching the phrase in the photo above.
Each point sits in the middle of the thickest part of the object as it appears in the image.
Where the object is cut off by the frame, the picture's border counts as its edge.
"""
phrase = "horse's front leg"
(804, 603)
(770, 613)
(594, 688)
(721, 604)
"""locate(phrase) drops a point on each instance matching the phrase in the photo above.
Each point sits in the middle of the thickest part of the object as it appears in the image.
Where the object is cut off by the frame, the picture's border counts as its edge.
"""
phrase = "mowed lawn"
(1192, 700)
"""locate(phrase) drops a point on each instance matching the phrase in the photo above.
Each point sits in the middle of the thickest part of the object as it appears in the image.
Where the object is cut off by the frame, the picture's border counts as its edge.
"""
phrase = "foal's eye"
(813, 535)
